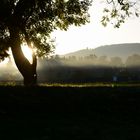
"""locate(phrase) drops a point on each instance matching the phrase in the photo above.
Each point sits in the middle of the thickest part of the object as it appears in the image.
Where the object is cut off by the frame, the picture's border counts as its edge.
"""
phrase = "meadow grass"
(95, 84)
(70, 111)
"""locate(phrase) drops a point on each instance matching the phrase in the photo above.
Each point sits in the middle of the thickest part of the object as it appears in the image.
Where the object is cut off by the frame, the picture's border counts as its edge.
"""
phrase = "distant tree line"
(92, 59)
(90, 69)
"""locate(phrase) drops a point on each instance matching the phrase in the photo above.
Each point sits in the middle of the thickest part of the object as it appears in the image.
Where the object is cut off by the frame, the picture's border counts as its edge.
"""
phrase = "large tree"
(31, 22)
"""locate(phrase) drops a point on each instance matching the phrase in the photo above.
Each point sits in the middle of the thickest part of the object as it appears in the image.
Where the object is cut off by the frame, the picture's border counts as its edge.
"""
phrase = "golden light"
(2, 63)
(27, 52)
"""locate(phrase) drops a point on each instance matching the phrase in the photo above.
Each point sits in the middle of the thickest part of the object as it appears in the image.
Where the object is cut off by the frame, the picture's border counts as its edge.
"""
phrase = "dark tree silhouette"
(133, 60)
(116, 61)
(32, 21)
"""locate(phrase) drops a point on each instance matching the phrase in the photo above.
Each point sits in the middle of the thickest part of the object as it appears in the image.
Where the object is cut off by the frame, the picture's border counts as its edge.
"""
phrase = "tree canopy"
(36, 19)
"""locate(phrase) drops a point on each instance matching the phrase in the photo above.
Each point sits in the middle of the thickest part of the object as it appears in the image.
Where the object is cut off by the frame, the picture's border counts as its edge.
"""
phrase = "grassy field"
(69, 112)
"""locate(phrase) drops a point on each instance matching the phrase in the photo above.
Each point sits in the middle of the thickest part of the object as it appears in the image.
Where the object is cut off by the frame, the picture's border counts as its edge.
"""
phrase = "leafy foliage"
(118, 11)
(36, 19)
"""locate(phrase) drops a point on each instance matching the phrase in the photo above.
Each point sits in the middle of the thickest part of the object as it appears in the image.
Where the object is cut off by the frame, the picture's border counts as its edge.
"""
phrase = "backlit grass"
(96, 84)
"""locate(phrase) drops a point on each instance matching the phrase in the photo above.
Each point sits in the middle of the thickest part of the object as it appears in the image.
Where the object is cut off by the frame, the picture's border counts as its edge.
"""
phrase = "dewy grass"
(8, 84)
(70, 84)
(100, 84)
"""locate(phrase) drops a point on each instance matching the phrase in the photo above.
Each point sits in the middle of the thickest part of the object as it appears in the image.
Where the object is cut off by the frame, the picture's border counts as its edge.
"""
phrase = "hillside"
(120, 50)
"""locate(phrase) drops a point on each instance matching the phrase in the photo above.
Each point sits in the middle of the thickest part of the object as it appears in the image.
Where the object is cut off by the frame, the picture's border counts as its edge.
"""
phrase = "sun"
(27, 52)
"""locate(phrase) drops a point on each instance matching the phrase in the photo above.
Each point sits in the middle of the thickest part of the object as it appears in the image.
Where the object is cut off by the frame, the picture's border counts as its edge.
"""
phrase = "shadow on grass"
(69, 113)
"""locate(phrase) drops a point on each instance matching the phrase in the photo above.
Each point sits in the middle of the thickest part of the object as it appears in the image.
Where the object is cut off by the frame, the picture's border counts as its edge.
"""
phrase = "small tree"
(32, 21)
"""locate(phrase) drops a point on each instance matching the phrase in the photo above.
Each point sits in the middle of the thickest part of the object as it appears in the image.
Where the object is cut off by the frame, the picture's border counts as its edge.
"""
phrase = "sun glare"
(27, 52)
(2, 63)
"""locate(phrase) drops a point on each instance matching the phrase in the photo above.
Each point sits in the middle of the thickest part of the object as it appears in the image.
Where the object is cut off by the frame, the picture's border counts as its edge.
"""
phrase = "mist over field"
(104, 64)
(9, 72)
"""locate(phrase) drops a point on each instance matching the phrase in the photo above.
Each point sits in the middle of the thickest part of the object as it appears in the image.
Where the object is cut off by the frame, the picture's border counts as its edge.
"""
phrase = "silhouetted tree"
(32, 21)
(91, 57)
(133, 60)
(102, 60)
(116, 61)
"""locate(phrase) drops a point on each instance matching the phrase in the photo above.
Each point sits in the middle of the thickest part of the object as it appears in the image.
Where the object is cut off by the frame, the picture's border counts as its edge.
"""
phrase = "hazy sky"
(93, 35)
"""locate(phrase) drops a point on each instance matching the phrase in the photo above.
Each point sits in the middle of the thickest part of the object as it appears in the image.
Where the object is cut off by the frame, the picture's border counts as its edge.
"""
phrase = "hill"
(120, 50)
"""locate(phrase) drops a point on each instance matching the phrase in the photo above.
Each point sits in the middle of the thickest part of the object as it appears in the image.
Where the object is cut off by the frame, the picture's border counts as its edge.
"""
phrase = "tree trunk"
(27, 69)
